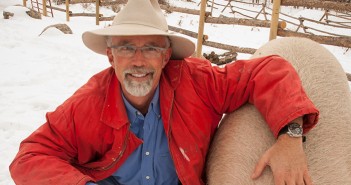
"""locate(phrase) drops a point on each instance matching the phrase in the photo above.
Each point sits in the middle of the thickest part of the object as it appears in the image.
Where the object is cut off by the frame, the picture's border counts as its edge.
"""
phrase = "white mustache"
(138, 70)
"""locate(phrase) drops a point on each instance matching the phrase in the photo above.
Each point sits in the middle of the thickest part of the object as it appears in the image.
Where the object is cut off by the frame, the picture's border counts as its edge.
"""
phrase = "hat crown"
(142, 12)
(139, 17)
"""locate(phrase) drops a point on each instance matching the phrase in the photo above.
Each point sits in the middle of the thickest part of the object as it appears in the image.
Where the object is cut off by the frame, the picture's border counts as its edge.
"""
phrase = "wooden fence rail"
(81, 1)
(229, 47)
(240, 21)
(186, 32)
(330, 5)
(329, 40)
(58, 9)
(326, 24)
(183, 10)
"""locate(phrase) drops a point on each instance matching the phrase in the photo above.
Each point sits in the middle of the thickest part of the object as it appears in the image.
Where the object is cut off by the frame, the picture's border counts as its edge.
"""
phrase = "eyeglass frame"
(159, 50)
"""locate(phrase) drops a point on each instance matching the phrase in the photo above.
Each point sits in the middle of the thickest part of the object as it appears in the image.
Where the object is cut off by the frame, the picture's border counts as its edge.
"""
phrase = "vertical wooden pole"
(274, 20)
(67, 10)
(44, 8)
(97, 11)
(25, 3)
(201, 28)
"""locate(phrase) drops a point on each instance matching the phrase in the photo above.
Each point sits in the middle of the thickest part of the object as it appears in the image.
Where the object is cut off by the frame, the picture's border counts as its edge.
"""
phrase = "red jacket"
(87, 138)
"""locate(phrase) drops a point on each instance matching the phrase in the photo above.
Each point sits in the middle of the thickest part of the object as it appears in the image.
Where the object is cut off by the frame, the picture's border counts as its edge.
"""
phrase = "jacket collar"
(172, 73)
(114, 113)
(170, 80)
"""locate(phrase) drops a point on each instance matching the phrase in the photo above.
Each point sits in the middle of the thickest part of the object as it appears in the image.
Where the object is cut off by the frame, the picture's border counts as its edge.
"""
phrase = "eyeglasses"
(147, 51)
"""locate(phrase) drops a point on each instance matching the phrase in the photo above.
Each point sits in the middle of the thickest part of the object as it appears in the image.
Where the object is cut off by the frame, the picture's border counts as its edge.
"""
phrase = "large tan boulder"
(243, 136)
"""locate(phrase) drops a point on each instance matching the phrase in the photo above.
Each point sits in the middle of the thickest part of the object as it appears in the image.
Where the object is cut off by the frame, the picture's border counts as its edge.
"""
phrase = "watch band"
(285, 130)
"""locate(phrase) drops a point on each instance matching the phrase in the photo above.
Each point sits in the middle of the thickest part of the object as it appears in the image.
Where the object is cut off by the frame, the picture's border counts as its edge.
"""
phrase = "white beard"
(136, 88)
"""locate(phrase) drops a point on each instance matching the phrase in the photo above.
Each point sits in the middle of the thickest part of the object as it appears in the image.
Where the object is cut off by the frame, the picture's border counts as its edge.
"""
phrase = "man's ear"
(167, 56)
(110, 56)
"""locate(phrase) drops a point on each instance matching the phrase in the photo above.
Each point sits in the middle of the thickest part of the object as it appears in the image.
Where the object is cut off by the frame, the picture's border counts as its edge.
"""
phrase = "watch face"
(295, 130)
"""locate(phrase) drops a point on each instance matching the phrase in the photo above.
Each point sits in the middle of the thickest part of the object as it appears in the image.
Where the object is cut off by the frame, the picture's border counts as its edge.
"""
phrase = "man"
(149, 119)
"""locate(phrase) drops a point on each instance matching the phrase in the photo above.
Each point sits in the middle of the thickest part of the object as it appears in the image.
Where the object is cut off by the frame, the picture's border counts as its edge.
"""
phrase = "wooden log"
(335, 41)
(59, 9)
(81, 1)
(330, 5)
(229, 47)
(343, 16)
(182, 10)
(106, 18)
(108, 3)
(186, 32)
(326, 24)
(244, 22)
(84, 14)
(338, 23)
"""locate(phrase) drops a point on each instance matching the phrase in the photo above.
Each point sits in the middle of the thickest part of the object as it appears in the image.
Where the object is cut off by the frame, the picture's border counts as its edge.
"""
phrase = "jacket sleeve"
(48, 154)
(270, 83)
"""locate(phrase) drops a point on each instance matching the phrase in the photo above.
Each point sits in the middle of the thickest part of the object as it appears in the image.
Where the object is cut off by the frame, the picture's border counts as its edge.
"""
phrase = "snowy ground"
(39, 72)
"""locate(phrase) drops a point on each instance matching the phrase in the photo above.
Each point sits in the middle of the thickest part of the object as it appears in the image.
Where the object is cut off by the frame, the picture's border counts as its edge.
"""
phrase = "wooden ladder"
(36, 6)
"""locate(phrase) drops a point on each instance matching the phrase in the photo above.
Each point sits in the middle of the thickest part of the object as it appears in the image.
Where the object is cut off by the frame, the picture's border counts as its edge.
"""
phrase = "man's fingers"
(300, 180)
(288, 178)
(278, 179)
(307, 178)
(262, 163)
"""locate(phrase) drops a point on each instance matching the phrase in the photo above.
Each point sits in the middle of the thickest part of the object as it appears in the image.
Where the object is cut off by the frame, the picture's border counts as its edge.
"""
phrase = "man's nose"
(138, 58)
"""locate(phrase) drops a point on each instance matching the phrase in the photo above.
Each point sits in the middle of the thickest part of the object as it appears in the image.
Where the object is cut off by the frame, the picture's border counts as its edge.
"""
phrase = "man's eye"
(150, 49)
(126, 48)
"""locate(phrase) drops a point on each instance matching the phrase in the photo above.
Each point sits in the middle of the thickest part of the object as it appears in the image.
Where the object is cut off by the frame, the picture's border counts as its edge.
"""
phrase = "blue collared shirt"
(151, 162)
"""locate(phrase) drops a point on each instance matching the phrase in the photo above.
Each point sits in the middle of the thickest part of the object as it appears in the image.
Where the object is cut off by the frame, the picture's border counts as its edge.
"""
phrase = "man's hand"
(287, 161)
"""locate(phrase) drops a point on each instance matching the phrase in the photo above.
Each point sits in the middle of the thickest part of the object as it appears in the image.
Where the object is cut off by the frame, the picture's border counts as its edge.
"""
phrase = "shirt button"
(147, 153)
(139, 113)
(147, 177)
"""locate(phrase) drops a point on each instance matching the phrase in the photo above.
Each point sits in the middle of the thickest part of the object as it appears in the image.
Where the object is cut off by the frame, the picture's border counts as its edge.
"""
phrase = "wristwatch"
(292, 129)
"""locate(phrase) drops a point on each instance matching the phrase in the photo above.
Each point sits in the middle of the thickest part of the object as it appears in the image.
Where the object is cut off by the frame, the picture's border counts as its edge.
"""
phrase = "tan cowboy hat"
(139, 17)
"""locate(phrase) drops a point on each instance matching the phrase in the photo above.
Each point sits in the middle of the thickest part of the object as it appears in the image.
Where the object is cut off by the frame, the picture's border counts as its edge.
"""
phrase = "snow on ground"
(38, 73)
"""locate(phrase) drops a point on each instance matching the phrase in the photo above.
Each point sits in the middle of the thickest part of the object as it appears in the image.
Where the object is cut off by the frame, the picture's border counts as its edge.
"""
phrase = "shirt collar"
(153, 107)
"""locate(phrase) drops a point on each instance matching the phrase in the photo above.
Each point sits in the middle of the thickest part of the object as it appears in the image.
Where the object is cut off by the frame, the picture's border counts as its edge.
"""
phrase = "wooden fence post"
(274, 20)
(25, 3)
(97, 11)
(201, 28)
(44, 8)
(67, 10)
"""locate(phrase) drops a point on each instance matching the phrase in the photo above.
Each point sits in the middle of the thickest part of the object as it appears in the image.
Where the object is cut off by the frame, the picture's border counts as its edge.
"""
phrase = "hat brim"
(96, 39)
